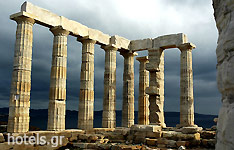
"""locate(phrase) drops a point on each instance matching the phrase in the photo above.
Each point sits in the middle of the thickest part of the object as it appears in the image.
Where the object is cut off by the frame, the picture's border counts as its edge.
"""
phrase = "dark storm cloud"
(132, 19)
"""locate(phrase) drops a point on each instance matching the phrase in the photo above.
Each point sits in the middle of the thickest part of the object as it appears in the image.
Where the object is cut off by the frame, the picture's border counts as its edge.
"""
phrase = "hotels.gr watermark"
(54, 141)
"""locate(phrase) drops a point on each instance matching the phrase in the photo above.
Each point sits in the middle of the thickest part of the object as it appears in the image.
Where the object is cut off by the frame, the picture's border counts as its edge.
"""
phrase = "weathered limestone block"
(109, 97)
(143, 100)
(186, 85)
(74, 27)
(209, 143)
(156, 86)
(18, 120)
(119, 42)
(150, 134)
(137, 45)
(189, 130)
(169, 41)
(151, 142)
(122, 130)
(42, 15)
(103, 130)
(57, 103)
(128, 90)
(224, 16)
(173, 135)
(98, 36)
(86, 102)
(145, 128)
(208, 134)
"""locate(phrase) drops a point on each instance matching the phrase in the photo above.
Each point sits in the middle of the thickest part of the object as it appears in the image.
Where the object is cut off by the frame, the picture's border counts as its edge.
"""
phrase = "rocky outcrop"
(224, 16)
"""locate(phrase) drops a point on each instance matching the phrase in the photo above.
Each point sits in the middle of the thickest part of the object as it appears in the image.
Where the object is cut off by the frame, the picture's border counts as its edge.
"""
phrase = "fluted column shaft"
(109, 97)
(186, 86)
(143, 100)
(18, 120)
(58, 76)
(86, 102)
(156, 86)
(128, 90)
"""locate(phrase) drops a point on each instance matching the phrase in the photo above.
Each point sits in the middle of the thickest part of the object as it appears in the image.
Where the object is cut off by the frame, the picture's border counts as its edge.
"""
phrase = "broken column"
(58, 76)
(186, 85)
(128, 89)
(109, 97)
(143, 100)
(19, 105)
(156, 86)
(86, 102)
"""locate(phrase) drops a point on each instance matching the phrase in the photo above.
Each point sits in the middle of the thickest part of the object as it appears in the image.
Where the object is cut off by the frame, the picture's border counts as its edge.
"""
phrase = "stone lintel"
(187, 46)
(152, 90)
(143, 59)
(101, 38)
(75, 28)
(169, 41)
(120, 42)
(138, 45)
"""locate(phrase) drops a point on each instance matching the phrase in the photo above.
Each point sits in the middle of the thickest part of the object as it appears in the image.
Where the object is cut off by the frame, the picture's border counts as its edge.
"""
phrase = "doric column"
(86, 102)
(128, 89)
(19, 105)
(156, 86)
(143, 100)
(109, 97)
(186, 85)
(58, 76)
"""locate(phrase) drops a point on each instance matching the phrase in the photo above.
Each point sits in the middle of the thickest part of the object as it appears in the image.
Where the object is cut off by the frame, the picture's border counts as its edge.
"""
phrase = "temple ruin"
(151, 81)
(151, 92)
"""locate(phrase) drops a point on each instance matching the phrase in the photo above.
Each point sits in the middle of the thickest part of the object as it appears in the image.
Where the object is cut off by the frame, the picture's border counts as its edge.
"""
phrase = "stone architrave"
(86, 102)
(58, 76)
(128, 89)
(19, 106)
(109, 97)
(186, 85)
(143, 100)
(156, 86)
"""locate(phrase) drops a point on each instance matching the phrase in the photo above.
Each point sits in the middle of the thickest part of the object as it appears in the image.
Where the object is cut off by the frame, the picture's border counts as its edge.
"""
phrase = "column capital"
(20, 19)
(186, 46)
(143, 59)
(86, 40)
(58, 30)
(128, 53)
(109, 47)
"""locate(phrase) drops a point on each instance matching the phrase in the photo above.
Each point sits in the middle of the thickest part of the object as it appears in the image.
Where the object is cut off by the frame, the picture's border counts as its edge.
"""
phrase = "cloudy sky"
(132, 19)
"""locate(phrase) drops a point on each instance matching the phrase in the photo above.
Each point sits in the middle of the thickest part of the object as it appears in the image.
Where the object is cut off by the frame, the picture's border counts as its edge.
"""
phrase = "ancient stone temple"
(151, 129)
(151, 79)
